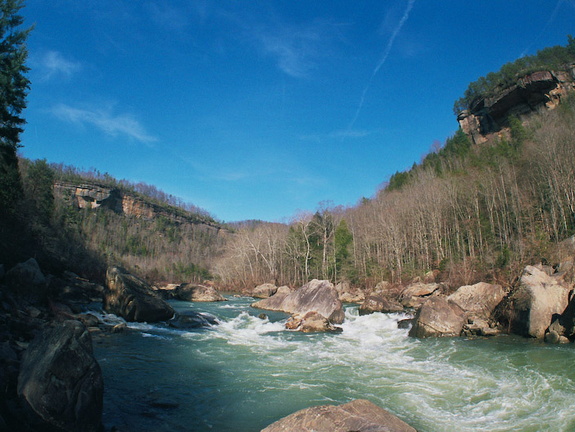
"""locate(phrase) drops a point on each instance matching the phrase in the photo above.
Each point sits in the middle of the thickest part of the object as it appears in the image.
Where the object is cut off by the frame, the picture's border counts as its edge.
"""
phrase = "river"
(246, 372)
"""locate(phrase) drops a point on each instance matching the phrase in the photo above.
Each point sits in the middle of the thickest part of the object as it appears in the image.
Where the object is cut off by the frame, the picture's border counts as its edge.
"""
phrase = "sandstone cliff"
(533, 92)
(93, 196)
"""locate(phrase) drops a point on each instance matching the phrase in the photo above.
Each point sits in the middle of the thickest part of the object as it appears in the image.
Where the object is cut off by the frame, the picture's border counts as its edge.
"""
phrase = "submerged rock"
(191, 319)
(359, 416)
(61, 382)
(133, 299)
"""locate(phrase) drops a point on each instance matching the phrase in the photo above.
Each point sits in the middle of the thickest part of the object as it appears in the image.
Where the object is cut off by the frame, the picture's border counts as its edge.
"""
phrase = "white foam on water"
(434, 384)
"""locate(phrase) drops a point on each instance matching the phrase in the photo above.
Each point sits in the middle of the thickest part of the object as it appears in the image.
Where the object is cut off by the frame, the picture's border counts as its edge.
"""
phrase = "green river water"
(245, 373)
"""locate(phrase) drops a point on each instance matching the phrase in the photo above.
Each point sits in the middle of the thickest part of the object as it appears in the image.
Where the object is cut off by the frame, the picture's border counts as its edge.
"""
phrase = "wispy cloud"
(109, 123)
(297, 49)
(54, 65)
(293, 52)
(339, 134)
(545, 27)
(383, 59)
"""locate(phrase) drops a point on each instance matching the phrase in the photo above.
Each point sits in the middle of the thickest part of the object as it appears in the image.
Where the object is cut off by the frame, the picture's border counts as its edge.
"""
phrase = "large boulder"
(479, 300)
(133, 299)
(468, 310)
(438, 317)
(358, 415)
(537, 300)
(264, 290)
(317, 296)
(375, 303)
(74, 289)
(27, 281)
(417, 293)
(197, 293)
(349, 294)
(60, 382)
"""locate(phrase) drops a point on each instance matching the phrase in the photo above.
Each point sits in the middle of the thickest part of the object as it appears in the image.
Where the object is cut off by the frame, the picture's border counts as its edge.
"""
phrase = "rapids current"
(246, 372)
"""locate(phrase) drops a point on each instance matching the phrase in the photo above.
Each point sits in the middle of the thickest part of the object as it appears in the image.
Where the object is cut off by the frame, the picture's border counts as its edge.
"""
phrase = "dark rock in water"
(197, 293)
(60, 382)
(263, 316)
(119, 328)
(357, 416)
(191, 320)
(316, 296)
(133, 299)
(405, 323)
(164, 404)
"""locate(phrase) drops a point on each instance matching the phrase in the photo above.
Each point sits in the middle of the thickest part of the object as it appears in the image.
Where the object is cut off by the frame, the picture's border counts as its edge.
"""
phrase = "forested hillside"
(473, 212)
(84, 221)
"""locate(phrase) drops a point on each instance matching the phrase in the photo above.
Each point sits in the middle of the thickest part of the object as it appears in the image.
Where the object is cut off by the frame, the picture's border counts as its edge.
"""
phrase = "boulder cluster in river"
(540, 305)
(51, 380)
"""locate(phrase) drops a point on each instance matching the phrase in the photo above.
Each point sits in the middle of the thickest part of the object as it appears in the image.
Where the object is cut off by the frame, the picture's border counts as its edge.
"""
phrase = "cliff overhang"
(531, 93)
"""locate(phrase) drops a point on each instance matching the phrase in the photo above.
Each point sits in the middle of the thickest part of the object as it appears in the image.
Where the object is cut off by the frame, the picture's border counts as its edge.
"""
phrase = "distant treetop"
(552, 58)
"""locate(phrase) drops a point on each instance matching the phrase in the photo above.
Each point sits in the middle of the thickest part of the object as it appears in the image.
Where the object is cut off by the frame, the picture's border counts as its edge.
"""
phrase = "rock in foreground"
(61, 382)
(133, 299)
(316, 296)
(359, 415)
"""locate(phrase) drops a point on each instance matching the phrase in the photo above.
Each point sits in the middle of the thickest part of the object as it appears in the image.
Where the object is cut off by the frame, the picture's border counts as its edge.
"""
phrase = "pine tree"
(14, 86)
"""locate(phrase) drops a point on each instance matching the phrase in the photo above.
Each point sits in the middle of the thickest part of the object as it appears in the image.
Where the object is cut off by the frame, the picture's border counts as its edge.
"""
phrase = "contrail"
(383, 59)
(544, 30)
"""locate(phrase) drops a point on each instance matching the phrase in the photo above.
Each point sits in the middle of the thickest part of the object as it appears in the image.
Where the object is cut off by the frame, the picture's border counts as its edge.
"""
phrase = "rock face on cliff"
(61, 382)
(359, 415)
(315, 296)
(93, 196)
(133, 299)
(533, 92)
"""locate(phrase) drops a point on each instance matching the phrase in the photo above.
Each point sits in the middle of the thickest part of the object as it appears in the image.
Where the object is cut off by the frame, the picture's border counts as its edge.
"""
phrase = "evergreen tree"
(343, 240)
(14, 86)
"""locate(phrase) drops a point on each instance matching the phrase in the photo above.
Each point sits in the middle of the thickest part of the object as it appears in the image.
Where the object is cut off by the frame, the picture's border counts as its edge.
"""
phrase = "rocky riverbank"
(52, 381)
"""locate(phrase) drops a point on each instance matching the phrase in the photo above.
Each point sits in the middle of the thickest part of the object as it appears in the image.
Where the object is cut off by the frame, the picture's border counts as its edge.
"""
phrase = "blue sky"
(260, 109)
